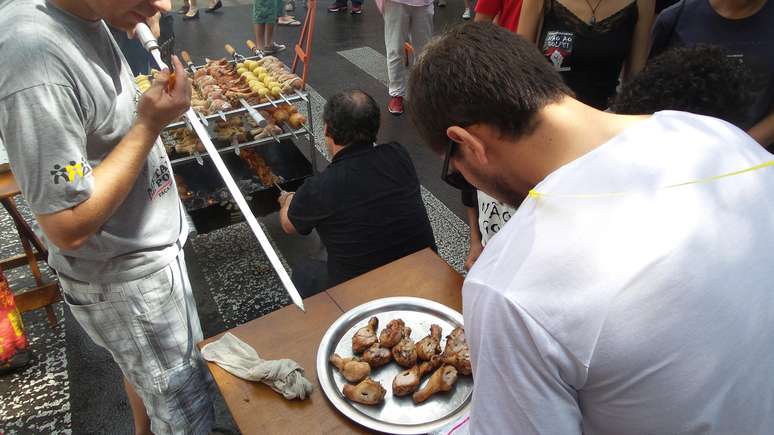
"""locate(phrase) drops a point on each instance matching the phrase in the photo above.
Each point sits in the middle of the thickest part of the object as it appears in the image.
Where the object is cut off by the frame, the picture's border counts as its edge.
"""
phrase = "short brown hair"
(480, 73)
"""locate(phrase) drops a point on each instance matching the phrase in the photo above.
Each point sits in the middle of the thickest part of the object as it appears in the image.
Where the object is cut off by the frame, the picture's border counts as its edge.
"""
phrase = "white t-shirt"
(645, 313)
(492, 216)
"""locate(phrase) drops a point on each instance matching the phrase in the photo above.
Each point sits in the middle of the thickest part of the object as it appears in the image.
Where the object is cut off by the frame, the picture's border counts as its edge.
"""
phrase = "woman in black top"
(590, 42)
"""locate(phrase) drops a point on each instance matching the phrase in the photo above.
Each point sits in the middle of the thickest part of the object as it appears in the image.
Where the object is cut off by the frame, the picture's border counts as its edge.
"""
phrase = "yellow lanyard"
(537, 195)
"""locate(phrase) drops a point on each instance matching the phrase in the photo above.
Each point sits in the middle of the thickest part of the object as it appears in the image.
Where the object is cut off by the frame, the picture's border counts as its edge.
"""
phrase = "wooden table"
(289, 333)
(44, 294)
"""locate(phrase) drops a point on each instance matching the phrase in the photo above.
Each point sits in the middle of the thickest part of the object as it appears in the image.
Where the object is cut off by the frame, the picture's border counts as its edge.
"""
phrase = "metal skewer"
(278, 187)
(149, 42)
(250, 111)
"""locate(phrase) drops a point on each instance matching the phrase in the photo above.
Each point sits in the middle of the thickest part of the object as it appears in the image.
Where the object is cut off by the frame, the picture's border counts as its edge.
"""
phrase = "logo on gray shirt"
(70, 172)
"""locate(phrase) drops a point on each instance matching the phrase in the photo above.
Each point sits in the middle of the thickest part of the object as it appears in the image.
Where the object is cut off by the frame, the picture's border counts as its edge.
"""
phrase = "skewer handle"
(230, 50)
(145, 36)
(250, 45)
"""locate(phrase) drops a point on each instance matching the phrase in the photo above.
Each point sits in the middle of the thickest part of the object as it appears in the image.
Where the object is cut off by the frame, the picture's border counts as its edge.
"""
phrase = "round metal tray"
(397, 415)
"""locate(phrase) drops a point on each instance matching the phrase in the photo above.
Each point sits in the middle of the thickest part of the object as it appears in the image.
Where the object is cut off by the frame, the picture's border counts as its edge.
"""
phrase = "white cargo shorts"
(150, 326)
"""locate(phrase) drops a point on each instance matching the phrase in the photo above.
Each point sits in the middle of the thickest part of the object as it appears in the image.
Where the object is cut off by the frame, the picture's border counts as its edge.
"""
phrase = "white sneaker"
(466, 14)
(441, 3)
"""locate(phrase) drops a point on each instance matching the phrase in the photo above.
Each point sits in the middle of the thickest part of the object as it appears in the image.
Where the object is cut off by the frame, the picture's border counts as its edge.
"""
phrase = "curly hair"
(700, 79)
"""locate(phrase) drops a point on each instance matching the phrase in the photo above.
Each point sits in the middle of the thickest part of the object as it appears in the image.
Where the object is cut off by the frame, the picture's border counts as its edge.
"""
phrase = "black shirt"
(589, 57)
(367, 208)
(751, 40)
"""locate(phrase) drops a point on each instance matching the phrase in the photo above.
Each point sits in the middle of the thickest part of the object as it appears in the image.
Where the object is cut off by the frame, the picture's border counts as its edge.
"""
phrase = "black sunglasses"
(453, 178)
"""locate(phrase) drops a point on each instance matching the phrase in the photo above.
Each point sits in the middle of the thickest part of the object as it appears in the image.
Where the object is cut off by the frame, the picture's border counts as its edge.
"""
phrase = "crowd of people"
(613, 162)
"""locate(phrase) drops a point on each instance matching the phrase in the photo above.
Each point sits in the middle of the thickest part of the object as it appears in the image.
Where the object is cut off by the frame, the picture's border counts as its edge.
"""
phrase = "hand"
(160, 105)
(284, 198)
(473, 253)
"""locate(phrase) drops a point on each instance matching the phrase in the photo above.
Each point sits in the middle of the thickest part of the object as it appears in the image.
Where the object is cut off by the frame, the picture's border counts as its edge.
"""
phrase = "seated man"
(366, 206)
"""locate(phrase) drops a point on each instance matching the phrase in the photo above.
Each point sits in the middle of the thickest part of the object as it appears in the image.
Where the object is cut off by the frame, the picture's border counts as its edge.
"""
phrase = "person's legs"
(260, 32)
(421, 27)
(184, 9)
(338, 6)
(150, 326)
(268, 36)
(193, 10)
(141, 419)
(396, 27)
(466, 14)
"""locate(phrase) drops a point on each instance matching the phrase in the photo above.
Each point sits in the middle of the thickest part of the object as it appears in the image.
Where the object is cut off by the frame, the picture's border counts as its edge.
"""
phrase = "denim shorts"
(150, 326)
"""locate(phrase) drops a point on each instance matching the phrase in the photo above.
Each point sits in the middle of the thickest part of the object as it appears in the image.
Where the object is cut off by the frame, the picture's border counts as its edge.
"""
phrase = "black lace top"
(589, 57)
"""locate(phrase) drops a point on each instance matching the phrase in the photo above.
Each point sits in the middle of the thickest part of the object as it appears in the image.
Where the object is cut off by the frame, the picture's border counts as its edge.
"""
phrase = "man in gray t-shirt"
(83, 144)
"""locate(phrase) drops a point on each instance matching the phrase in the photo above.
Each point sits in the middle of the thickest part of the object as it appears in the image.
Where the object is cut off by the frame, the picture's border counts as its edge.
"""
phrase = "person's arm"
(301, 211)
(284, 200)
(638, 54)
(530, 19)
(116, 174)
(484, 18)
(517, 362)
(487, 10)
(763, 132)
(475, 238)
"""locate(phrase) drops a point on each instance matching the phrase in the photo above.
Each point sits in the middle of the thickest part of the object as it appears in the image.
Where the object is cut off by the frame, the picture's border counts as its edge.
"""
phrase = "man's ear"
(469, 141)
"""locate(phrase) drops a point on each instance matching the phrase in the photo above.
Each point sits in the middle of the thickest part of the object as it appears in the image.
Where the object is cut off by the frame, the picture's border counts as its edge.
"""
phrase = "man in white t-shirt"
(630, 293)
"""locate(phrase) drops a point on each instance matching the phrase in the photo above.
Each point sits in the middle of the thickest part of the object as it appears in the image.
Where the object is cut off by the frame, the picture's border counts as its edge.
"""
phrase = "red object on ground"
(13, 341)
(506, 11)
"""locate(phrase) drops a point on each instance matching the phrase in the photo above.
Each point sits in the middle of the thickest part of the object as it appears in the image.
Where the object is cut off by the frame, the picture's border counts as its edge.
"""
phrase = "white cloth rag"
(235, 356)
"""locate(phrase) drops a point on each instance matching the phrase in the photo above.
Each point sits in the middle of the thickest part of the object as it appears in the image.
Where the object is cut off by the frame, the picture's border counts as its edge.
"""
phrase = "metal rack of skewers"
(249, 106)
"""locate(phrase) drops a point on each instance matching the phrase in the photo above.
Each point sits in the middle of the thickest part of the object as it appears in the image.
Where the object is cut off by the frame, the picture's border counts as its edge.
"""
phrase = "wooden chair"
(303, 48)
(44, 295)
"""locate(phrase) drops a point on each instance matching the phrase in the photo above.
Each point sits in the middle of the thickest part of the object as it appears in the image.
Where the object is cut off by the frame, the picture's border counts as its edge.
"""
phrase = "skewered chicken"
(186, 141)
(377, 356)
(457, 352)
(407, 381)
(365, 336)
(405, 352)
(259, 166)
(182, 188)
(367, 392)
(352, 369)
(430, 345)
(392, 333)
(442, 380)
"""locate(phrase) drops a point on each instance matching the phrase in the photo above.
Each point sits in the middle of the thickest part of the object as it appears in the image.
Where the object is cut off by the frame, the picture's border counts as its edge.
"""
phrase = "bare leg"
(193, 9)
(269, 35)
(141, 420)
(260, 31)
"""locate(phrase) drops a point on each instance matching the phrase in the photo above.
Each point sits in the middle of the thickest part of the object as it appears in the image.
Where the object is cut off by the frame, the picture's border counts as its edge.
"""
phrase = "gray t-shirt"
(67, 98)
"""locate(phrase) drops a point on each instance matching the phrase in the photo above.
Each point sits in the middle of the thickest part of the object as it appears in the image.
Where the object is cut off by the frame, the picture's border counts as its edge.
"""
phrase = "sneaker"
(337, 8)
(395, 106)
(466, 14)
(442, 3)
(273, 48)
(357, 9)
